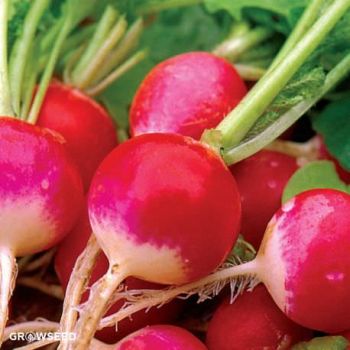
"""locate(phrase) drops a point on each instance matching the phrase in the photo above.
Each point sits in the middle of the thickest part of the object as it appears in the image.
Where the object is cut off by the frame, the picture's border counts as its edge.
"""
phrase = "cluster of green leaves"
(333, 123)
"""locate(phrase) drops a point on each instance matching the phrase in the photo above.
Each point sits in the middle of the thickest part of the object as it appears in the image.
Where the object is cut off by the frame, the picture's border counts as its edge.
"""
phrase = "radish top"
(165, 208)
(186, 94)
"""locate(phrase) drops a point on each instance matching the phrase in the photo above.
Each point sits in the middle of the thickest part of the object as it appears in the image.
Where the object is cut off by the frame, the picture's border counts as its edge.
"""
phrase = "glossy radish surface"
(40, 189)
(186, 94)
(305, 262)
(158, 202)
(252, 322)
(161, 337)
(88, 129)
(67, 253)
(41, 196)
(261, 179)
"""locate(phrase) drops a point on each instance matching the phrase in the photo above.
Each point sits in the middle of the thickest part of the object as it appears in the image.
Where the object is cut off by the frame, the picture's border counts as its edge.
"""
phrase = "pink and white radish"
(157, 204)
(261, 179)
(67, 253)
(253, 321)
(303, 261)
(87, 128)
(40, 196)
(186, 94)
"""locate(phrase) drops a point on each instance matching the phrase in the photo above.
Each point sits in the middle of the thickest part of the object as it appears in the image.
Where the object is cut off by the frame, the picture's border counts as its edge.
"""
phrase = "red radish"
(88, 129)
(157, 203)
(41, 196)
(252, 322)
(66, 256)
(303, 261)
(186, 94)
(160, 337)
(261, 179)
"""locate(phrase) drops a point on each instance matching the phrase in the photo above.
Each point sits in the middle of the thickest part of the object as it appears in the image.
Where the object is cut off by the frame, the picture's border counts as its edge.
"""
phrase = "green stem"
(232, 48)
(21, 51)
(238, 122)
(45, 79)
(104, 26)
(117, 73)
(89, 73)
(157, 6)
(248, 72)
(5, 95)
(304, 24)
(338, 73)
(127, 44)
(268, 50)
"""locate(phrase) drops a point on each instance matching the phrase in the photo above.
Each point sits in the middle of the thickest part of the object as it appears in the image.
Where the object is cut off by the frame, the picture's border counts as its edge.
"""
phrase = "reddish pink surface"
(161, 337)
(324, 154)
(86, 126)
(252, 322)
(34, 164)
(315, 240)
(186, 94)
(261, 179)
(170, 191)
(67, 253)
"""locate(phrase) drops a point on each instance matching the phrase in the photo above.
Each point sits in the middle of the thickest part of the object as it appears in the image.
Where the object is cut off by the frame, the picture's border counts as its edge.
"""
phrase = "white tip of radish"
(288, 206)
(271, 264)
(25, 228)
(150, 262)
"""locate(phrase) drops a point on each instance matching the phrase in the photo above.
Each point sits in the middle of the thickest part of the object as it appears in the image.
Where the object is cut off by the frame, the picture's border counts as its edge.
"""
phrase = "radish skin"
(151, 202)
(186, 94)
(89, 131)
(38, 184)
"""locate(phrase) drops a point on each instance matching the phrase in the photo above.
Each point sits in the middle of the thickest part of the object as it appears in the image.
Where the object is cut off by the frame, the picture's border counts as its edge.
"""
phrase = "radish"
(67, 254)
(155, 203)
(186, 94)
(253, 321)
(160, 337)
(87, 128)
(41, 196)
(261, 179)
(303, 261)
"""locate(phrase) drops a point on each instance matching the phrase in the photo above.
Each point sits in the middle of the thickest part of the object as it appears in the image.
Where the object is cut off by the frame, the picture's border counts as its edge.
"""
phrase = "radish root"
(8, 274)
(101, 297)
(77, 284)
(239, 276)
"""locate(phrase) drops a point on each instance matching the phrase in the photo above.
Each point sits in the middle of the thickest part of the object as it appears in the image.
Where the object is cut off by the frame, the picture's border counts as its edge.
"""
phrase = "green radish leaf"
(333, 123)
(281, 7)
(305, 85)
(323, 343)
(318, 174)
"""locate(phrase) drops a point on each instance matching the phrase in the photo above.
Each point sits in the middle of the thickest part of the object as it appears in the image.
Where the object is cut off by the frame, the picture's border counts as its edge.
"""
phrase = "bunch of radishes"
(165, 208)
